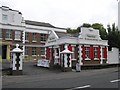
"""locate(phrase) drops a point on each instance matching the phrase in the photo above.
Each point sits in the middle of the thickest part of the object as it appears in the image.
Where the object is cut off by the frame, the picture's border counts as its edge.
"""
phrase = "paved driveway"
(29, 68)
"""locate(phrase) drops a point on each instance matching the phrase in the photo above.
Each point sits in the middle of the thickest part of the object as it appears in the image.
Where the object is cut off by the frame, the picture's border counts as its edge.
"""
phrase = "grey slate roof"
(63, 34)
(38, 23)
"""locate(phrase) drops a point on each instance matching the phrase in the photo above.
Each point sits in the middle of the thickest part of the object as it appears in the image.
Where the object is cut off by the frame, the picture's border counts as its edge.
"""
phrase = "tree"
(73, 31)
(113, 36)
(102, 30)
(86, 25)
(108, 28)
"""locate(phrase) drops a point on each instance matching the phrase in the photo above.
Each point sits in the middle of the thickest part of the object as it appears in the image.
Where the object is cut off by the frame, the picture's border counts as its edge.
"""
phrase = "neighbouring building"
(113, 56)
(30, 35)
(12, 27)
(87, 47)
(36, 34)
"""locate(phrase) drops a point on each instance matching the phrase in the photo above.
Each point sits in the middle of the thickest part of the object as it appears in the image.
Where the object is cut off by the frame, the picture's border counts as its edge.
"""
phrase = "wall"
(14, 16)
(113, 56)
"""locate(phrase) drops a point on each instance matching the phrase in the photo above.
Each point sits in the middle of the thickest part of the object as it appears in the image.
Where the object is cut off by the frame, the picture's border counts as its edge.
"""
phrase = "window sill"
(17, 39)
(96, 59)
(87, 59)
(34, 55)
(73, 59)
(34, 41)
(26, 41)
(8, 39)
(42, 41)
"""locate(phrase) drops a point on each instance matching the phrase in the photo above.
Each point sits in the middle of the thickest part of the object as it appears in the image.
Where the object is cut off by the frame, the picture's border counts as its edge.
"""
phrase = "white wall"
(113, 56)
(14, 18)
(89, 33)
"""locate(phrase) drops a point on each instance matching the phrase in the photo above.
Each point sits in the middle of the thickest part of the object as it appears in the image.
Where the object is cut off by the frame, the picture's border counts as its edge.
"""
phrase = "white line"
(79, 87)
(115, 81)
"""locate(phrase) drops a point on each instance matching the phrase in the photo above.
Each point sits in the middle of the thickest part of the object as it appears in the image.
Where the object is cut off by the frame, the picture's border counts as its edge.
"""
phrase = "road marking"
(115, 81)
(79, 87)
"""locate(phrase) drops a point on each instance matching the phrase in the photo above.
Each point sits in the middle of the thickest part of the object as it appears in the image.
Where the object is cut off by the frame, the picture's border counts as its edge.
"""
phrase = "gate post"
(17, 61)
(66, 59)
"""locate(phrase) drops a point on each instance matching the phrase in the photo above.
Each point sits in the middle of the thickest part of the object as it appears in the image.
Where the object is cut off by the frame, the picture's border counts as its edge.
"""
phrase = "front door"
(4, 51)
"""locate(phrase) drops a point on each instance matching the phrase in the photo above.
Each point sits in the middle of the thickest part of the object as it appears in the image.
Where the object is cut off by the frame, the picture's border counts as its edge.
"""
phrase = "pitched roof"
(63, 34)
(38, 23)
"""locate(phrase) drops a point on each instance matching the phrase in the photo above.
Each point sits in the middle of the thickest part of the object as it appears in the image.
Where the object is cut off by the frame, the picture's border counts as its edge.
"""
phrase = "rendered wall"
(113, 56)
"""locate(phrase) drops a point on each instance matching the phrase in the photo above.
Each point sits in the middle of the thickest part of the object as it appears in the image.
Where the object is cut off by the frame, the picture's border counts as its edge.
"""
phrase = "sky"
(66, 13)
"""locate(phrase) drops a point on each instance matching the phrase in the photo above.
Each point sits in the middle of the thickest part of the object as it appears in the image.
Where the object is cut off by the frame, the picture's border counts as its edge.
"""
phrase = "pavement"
(37, 77)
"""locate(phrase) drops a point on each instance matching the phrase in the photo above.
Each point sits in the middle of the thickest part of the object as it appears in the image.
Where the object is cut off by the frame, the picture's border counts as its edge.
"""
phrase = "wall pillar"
(80, 55)
(101, 54)
(107, 55)
(17, 61)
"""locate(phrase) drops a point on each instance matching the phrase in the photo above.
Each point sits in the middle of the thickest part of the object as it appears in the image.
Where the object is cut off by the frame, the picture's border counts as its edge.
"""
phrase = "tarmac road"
(44, 78)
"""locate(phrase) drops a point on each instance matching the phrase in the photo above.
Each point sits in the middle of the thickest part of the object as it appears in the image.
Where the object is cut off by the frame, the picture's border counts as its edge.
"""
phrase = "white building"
(31, 35)
(87, 47)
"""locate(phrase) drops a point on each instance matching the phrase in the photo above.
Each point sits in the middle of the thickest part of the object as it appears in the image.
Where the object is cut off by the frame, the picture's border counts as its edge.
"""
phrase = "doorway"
(4, 51)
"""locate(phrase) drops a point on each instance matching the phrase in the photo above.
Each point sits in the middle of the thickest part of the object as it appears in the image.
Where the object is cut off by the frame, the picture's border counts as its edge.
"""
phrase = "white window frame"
(43, 37)
(95, 52)
(9, 32)
(26, 36)
(17, 35)
(103, 52)
(87, 52)
(34, 51)
(73, 54)
(34, 37)
(26, 51)
(41, 50)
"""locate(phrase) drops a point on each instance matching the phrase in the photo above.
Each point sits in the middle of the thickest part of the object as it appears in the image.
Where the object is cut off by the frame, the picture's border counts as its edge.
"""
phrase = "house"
(87, 47)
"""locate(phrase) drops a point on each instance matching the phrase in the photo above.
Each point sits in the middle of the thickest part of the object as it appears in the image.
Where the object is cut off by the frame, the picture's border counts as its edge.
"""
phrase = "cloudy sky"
(66, 13)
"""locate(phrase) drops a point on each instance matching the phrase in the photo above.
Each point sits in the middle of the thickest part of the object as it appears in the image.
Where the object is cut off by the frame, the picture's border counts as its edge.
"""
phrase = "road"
(99, 78)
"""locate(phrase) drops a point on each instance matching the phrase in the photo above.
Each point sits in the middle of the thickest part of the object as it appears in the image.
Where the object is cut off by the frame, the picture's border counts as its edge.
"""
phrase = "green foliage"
(86, 25)
(73, 31)
(102, 30)
(113, 36)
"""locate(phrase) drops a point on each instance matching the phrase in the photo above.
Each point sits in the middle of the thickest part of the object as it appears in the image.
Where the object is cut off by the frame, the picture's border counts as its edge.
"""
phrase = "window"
(4, 17)
(102, 52)
(87, 51)
(33, 36)
(42, 51)
(17, 35)
(34, 51)
(0, 33)
(26, 36)
(43, 37)
(95, 52)
(26, 50)
(9, 34)
(73, 55)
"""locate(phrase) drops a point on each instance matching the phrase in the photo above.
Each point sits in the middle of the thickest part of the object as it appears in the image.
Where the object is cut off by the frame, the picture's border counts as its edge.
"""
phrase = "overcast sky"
(66, 13)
